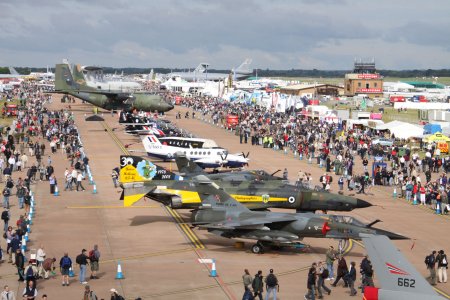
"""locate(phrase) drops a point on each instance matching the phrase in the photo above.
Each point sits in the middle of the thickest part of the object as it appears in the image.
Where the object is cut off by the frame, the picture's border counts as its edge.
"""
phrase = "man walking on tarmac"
(430, 262)
(94, 257)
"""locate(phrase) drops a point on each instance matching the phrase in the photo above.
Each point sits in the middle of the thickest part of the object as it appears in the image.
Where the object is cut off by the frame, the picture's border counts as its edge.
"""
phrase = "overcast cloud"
(300, 34)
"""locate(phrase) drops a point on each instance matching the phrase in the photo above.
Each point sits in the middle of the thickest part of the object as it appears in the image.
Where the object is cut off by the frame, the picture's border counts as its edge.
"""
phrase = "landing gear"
(258, 248)
(342, 246)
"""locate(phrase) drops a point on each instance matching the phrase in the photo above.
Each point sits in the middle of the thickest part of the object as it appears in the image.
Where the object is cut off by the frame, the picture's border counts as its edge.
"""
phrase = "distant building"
(364, 80)
(312, 90)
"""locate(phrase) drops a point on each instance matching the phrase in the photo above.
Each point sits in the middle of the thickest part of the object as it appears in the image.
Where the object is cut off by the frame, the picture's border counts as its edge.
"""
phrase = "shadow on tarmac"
(142, 220)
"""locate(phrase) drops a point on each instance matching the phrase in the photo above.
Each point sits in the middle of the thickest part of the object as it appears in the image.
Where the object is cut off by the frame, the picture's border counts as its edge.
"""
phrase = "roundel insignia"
(265, 198)
(291, 199)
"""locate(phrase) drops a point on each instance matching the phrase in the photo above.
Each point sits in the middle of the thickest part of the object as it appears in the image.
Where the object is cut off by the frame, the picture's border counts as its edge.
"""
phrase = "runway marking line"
(179, 220)
(186, 229)
(436, 289)
(132, 257)
(234, 282)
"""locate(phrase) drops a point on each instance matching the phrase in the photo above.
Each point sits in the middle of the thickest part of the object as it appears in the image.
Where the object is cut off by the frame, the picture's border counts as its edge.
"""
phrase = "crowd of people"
(337, 148)
(24, 161)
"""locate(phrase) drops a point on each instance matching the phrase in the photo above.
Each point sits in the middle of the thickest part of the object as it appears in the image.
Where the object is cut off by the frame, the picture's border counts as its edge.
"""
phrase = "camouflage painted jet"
(222, 215)
(73, 84)
(167, 188)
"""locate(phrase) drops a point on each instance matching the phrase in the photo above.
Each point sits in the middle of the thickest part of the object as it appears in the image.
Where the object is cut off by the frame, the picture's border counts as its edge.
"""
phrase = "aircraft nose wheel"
(257, 248)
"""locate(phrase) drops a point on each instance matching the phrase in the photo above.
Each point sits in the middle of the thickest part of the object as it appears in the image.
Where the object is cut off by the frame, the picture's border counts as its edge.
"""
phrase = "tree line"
(262, 72)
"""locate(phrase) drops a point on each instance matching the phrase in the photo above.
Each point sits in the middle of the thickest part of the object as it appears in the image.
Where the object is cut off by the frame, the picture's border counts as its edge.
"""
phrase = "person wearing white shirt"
(40, 257)
(79, 179)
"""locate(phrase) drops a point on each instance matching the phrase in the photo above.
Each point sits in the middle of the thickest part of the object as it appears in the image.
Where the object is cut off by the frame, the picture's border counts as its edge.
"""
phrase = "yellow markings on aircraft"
(110, 206)
(249, 198)
(190, 197)
(187, 197)
(129, 200)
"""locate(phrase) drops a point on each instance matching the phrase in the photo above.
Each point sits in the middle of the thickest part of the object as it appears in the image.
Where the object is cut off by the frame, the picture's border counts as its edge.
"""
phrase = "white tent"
(402, 130)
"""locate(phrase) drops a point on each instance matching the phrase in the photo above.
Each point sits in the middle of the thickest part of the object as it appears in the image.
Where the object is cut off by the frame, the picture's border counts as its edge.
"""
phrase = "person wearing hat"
(115, 295)
(88, 294)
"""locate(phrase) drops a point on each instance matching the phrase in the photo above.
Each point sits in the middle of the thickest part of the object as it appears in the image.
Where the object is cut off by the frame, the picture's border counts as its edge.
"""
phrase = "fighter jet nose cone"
(362, 203)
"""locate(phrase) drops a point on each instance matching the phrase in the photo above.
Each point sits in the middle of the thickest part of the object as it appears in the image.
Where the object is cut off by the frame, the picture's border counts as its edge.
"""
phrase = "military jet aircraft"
(106, 99)
(165, 186)
(191, 168)
(222, 215)
(397, 277)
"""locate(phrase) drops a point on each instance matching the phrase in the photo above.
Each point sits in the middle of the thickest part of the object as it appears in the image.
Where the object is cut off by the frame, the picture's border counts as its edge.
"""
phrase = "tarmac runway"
(159, 253)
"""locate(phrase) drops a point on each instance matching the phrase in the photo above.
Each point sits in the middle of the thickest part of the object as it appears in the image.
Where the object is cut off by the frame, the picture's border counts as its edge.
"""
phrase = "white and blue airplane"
(205, 152)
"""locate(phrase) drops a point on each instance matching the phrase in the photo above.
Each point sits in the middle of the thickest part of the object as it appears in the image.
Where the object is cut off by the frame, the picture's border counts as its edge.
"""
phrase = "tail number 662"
(406, 282)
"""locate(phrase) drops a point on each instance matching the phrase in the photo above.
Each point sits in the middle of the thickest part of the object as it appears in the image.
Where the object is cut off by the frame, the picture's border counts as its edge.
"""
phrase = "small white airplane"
(397, 276)
(204, 152)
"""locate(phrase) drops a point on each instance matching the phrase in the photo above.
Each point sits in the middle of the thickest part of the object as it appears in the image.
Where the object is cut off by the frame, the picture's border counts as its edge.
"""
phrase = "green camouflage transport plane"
(257, 190)
(75, 85)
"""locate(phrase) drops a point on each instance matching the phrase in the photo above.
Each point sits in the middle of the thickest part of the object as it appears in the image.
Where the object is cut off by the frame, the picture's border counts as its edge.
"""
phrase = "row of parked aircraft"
(229, 215)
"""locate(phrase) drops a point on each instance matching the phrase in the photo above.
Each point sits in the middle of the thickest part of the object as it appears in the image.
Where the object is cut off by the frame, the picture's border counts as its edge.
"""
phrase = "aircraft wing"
(395, 273)
(250, 223)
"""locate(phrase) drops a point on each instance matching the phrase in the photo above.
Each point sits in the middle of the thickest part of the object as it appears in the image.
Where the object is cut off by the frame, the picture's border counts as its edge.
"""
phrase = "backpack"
(428, 260)
(78, 259)
(65, 262)
(10, 184)
(5, 216)
(30, 273)
(444, 261)
(271, 280)
(325, 273)
(92, 256)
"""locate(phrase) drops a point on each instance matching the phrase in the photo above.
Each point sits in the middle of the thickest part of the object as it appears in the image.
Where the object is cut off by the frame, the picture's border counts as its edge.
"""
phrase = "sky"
(283, 34)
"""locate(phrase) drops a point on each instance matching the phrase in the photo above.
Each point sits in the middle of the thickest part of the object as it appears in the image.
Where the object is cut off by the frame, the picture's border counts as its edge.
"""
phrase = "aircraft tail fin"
(134, 172)
(139, 169)
(150, 142)
(201, 68)
(133, 192)
(187, 166)
(244, 68)
(213, 197)
(395, 273)
(78, 74)
(13, 71)
(63, 78)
